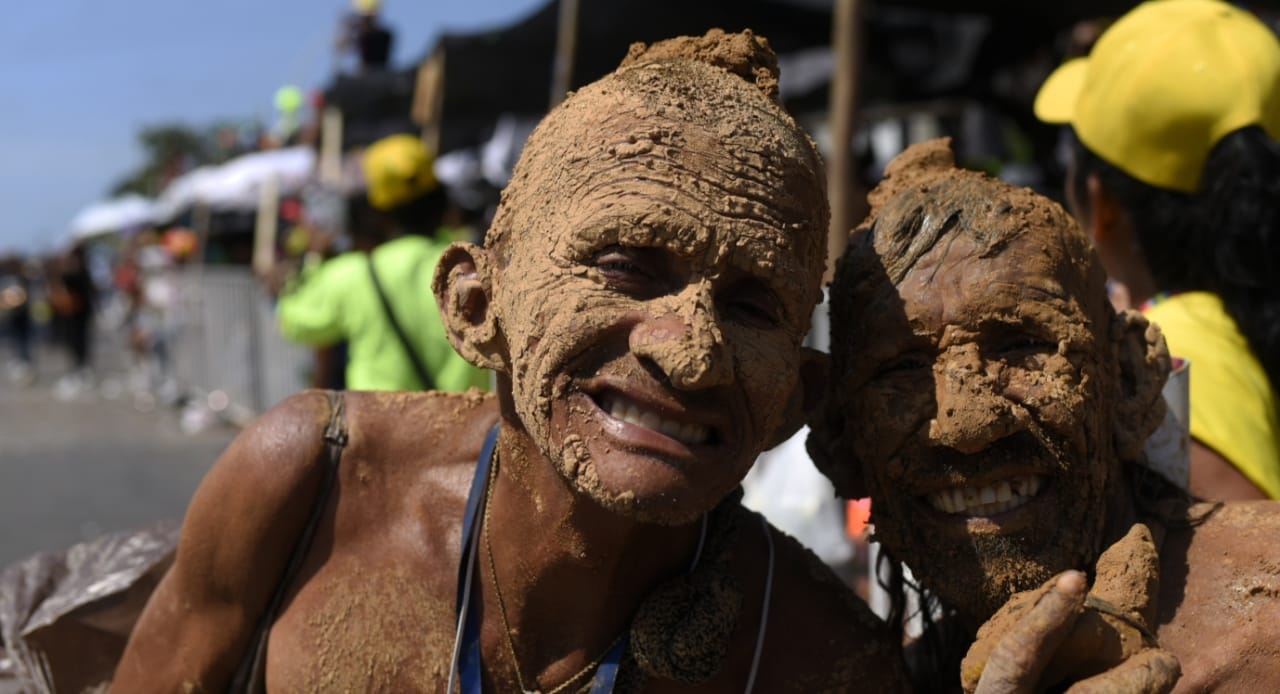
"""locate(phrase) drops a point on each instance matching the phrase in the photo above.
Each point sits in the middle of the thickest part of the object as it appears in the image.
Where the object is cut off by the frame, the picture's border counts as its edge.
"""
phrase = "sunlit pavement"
(77, 463)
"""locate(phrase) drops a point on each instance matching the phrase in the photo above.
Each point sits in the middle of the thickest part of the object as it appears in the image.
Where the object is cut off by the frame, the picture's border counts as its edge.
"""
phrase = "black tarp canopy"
(508, 69)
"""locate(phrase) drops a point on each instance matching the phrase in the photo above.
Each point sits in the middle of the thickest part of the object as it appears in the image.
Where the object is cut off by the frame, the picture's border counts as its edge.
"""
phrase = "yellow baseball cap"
(1164, 84)
(398, 169)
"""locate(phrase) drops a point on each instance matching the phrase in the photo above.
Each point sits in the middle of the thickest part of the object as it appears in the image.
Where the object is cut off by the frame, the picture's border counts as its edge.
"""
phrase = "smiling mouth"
(631, 412)
(987, 499)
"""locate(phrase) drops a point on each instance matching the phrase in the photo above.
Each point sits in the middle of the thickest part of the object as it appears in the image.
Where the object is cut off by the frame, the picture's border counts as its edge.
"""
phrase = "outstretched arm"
(236, 539)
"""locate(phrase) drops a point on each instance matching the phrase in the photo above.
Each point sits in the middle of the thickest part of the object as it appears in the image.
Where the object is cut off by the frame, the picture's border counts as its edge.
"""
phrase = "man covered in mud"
(641, 295)
(994, 406)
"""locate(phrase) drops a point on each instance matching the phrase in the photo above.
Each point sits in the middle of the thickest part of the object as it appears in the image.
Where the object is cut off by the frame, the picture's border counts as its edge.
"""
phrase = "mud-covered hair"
(725, 83)
(1224, 238)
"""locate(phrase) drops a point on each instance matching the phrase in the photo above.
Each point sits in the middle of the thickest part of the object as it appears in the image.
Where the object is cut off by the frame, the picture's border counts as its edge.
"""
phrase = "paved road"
(71, 470)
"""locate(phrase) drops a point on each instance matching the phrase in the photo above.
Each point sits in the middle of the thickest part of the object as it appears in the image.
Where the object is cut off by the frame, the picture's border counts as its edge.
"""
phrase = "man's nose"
(972, 412)
(685, 341)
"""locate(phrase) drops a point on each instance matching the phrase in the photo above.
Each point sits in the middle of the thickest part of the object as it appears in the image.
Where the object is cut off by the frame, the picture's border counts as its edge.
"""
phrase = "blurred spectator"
(146, 277)
(73, 296)
(380, 301)
(15, 307)
(1176, 175)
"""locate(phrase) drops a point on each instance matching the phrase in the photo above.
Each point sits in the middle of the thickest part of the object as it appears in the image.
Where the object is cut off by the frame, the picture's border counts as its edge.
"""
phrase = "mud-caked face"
(973, 408)
(654, 317)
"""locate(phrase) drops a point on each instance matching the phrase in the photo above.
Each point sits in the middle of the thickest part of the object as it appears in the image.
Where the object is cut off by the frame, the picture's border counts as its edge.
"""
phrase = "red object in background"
(290, 210)
(858, 518)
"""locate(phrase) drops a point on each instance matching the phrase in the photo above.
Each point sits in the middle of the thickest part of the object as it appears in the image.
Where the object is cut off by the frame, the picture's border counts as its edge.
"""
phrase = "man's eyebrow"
(1050, 289)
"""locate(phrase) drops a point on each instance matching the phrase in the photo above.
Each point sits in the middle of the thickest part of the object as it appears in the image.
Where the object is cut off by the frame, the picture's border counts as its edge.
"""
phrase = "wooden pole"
(428, 98)
(566, 47)
(266, 226)
(330, 146)
(841, 177)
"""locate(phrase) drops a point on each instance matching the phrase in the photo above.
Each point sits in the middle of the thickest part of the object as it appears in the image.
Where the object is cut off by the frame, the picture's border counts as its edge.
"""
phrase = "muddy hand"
(1056, 634)
(1016, 645)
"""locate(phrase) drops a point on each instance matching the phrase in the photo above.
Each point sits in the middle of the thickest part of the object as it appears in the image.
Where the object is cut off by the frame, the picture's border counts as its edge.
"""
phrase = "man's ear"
(1143, 360)
(464, 294)
(814, 367)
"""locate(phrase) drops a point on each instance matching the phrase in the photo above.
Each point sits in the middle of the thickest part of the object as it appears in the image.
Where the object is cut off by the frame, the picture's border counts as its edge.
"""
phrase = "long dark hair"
(1224, 239)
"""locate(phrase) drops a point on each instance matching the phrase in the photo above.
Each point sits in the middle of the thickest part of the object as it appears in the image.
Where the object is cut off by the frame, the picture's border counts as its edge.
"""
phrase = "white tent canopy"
(237, 184)
(117, 214)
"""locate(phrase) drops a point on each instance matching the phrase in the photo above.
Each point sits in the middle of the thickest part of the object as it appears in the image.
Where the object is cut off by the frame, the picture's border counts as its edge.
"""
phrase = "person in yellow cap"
(1176, 176)
(380, 301)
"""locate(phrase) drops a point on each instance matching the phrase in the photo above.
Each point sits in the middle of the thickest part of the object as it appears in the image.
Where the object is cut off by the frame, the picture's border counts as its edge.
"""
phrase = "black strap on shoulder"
(251, 676)
(419, 368)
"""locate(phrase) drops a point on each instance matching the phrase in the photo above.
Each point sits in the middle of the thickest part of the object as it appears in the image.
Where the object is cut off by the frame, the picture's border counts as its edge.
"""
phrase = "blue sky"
(78, 78)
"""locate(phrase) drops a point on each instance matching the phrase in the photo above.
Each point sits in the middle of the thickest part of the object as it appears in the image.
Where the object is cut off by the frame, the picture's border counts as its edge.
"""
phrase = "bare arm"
(236, 539)
(1213, 477)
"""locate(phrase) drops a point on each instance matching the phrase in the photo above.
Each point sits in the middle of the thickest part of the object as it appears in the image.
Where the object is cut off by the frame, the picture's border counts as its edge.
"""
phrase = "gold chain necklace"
(502, 606)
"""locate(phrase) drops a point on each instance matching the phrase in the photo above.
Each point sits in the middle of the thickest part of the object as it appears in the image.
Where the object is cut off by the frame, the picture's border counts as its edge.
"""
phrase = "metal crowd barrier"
(228, 349)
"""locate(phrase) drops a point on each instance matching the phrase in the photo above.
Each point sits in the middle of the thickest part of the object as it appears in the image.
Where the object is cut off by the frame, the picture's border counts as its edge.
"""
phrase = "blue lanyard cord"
(466, 660)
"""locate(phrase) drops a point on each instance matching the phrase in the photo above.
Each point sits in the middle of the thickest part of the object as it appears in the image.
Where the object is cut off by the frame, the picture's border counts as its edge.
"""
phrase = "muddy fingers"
(1120, 606)
(1016, 645)
(1152, 671)
(1056, 635)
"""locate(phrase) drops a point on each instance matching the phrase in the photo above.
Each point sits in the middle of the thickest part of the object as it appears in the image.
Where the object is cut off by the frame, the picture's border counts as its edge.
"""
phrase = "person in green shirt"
(338, 300)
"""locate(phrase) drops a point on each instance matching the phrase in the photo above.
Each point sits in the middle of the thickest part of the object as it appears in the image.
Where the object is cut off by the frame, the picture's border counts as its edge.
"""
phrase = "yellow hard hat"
(1164, 84)
(398, 169)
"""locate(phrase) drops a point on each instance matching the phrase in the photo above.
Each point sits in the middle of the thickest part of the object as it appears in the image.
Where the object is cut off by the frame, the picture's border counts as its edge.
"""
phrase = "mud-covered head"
(984, 393)
(693, 115)
(649, 275)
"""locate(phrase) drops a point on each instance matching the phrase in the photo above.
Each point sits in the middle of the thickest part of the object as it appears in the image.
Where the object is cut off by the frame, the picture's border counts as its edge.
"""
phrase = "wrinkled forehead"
(714, 201)
(661, 167)
(969, 275)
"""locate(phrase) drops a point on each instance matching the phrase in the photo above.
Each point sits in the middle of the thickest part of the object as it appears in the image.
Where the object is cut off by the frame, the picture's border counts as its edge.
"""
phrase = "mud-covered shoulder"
(280, 447)
(1220, 597)
(1229, 516)
(1237, 537)
(433, 428)
(821, 636)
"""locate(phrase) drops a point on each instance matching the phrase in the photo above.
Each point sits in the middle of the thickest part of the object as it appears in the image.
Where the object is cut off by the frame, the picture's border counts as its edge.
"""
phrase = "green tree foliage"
(170, 149)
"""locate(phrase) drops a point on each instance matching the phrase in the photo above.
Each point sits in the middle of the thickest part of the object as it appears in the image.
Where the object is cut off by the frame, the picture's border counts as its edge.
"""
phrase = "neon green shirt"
(1233, 408)
(336, 301)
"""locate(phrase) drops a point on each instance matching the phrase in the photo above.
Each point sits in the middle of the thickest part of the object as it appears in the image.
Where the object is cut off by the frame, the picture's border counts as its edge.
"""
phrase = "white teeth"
(989, 499)
(1003, 492)
(684, 432)
(651, 420)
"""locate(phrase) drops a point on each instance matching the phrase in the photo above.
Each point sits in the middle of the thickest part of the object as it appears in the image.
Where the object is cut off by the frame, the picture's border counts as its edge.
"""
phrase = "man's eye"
(759, 314)
(1023, 344)
(619, 266)
(752, 304)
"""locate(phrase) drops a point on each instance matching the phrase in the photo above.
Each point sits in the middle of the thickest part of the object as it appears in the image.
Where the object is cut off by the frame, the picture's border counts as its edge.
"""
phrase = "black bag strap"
(251, 676)
(424, 377)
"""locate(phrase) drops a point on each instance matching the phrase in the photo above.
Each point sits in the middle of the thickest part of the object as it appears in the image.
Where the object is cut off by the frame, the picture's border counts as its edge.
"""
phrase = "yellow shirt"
(1233, 408)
